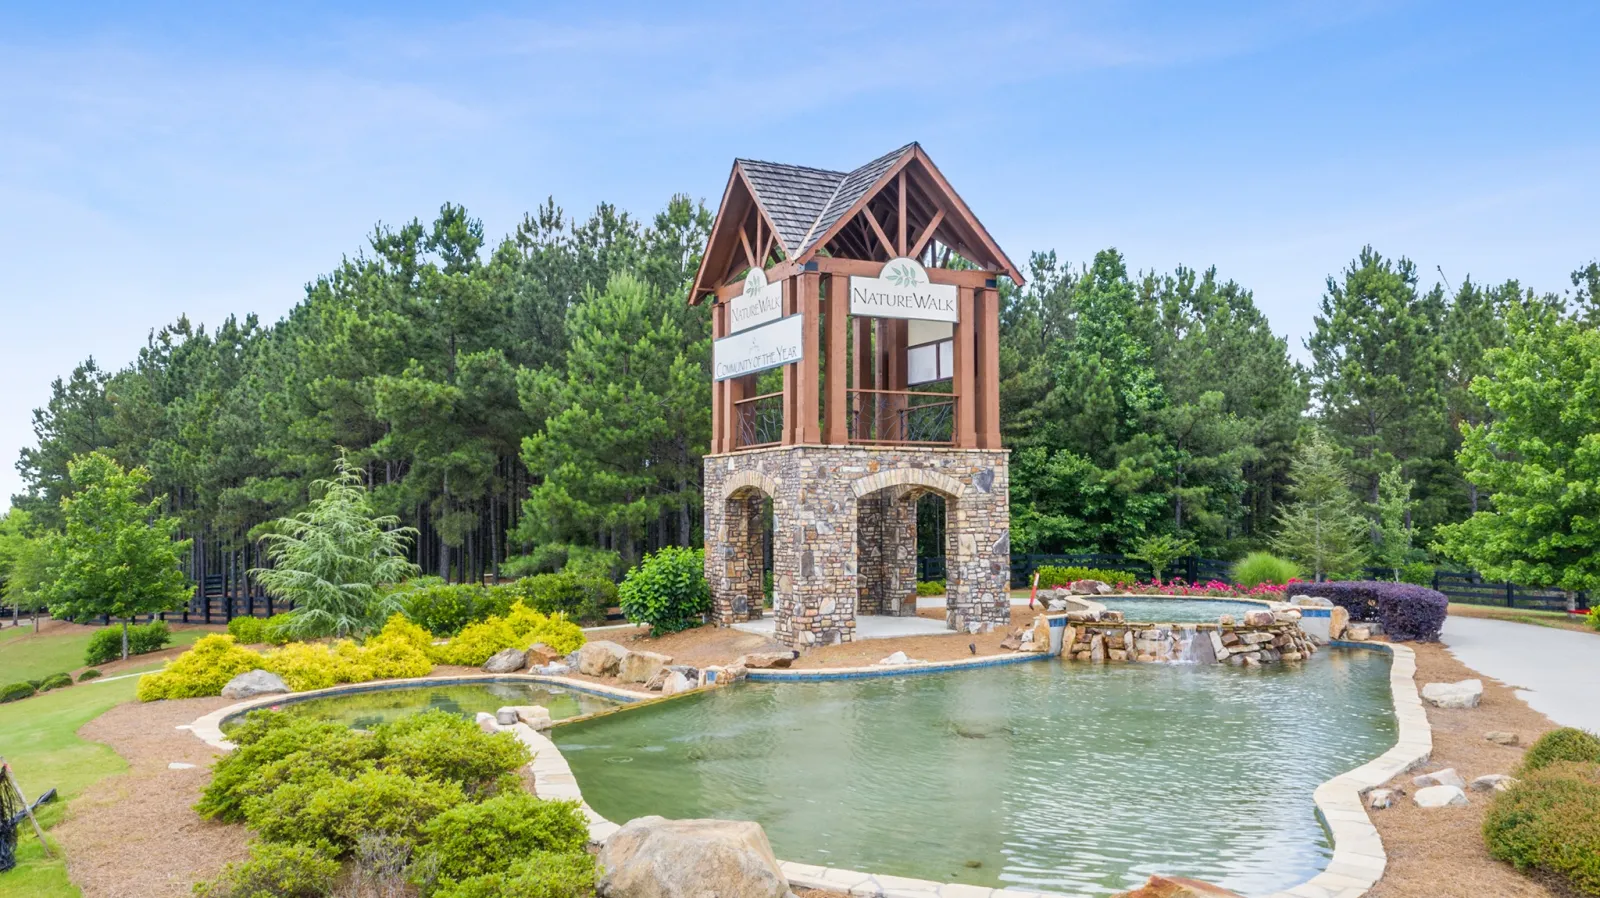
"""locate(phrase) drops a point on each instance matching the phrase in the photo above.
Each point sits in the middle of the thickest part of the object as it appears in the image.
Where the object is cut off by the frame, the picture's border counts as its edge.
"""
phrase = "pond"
(1081, 779)
(374, 706)
(1177, 610)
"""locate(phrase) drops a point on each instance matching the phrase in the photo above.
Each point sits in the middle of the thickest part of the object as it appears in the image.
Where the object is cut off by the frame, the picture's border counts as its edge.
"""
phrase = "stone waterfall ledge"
(1358, 856)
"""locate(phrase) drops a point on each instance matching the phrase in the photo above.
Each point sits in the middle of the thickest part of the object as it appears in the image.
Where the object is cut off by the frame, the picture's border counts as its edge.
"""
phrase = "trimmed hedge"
(55, 681)
(1407, 612)
(1051, 576)
(931, 588)
(106, 644)
(16, 692)
(1550, 820)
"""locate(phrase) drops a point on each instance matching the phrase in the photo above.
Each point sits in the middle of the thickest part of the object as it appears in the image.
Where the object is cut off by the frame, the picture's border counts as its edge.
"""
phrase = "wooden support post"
(10, 781)
(900, 244)
(791, 375)
(808, 430)
(834, 416)
(965, 432)
(865, 360)
(719, 388)
(898, 333)
(988, 368)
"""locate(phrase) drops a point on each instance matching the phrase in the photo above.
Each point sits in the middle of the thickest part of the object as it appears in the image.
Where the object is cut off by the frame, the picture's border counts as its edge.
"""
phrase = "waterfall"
(1183, 642)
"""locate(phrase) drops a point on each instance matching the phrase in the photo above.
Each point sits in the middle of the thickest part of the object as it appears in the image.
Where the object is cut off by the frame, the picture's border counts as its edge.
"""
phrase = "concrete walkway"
(868, 626)
(1554, 671)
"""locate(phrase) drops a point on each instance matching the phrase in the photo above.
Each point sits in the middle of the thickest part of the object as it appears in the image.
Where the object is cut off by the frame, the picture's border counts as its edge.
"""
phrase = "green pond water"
(1070, 778)
(368, 709)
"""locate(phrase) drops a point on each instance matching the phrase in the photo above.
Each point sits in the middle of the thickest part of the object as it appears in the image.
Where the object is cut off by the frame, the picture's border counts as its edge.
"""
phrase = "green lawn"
(26, 657)
(38, 737)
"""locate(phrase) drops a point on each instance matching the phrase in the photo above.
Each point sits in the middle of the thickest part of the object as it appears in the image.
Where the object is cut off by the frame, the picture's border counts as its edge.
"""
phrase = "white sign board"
(902, 290)
(760, 303)
(757, 349)
(930, 362)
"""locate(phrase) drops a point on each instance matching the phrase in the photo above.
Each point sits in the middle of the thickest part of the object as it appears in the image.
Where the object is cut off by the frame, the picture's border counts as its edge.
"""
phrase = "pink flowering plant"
(1209, 589)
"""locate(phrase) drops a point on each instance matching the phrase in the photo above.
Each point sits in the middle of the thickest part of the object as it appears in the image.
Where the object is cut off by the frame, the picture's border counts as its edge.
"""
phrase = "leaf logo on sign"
(755, 281)
(902, 275)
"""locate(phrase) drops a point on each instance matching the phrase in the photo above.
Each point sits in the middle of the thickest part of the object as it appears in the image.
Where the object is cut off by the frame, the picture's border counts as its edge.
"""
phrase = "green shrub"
(553, 558)
(1564, 744)
(583, 598)
(1051, 576)
(89, 674)
(442, 746)
(1419, 573)
(16, 692)
(1263, 567)
(274, 748)
(55, 681)
(248, 630)
(443, 609)
(106, 644)
(521, 627)
(930, 588)
(474, 839)
(275, 871)
(668, 590)
(201, 671)
(276, 631)
(1550, 820)
(539, 875)
(333, 813)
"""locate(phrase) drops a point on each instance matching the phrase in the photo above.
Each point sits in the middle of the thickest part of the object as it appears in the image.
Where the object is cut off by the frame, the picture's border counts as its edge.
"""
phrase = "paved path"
(1555, 671)
(868, 626)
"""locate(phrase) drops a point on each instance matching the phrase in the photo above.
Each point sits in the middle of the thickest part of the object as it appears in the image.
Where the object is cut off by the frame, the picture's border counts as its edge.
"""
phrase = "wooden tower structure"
(856, 369)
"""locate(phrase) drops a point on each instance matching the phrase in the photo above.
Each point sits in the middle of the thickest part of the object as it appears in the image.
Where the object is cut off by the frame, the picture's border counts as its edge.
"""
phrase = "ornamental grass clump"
(1257, 568)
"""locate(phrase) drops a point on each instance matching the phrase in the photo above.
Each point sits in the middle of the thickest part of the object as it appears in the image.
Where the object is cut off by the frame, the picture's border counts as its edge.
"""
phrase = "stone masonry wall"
(886, 552)
(817, 492)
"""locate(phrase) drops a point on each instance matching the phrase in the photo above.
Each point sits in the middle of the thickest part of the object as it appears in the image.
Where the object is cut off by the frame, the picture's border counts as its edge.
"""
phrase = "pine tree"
(1321, 528)
(1394, 520)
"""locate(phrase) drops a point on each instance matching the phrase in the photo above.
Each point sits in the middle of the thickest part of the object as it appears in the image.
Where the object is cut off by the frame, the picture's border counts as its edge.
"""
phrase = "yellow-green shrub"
(399, 650)
(201, 671)
(520, 628)
(1550, 820)
(305, 665)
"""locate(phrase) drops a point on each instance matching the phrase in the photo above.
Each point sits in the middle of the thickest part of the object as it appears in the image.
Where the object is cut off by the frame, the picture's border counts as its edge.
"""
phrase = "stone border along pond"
(1358, 856)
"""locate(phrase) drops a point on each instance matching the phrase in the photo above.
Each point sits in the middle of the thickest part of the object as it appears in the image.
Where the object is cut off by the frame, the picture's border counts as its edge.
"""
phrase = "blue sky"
(181, 158)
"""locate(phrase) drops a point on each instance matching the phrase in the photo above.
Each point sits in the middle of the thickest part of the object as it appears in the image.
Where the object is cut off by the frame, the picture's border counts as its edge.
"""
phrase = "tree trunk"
(124, 639)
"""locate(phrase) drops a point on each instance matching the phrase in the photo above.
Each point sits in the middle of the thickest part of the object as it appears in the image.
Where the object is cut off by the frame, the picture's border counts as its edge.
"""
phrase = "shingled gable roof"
(804, 205)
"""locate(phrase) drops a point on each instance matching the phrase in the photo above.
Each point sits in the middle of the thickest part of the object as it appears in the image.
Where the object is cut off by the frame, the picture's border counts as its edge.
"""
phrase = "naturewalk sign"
(760, 303)
(902, 290)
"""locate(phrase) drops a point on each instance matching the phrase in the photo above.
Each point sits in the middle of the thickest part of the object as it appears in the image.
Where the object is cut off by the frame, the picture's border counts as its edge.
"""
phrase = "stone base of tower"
(844, 536)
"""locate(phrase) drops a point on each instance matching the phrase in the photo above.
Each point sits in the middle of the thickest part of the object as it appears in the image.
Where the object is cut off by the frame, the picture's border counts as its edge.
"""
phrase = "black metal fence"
(220, 599)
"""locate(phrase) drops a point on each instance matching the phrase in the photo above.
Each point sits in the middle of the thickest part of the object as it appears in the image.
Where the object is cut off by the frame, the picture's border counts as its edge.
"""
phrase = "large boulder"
(652, 857)
(1177, 887)
(600, 659)
(1090, 588)
(254, 683)
(506, 661)
(1338, 621)
(1465, 694)
(766, 660)
(541, 655)
(675, 683)
(1261, 618)
(639, 667)
(1445, 777)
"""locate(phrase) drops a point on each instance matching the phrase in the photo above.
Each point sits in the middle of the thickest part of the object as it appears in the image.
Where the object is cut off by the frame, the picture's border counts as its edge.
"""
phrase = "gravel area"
(137, 833)
(1440, 853)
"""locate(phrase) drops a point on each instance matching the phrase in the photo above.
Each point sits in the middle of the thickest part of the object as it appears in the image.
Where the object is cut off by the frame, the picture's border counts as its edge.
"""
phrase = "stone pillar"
(818, 537)
(871, 576)
(978, 553)
(733, 563)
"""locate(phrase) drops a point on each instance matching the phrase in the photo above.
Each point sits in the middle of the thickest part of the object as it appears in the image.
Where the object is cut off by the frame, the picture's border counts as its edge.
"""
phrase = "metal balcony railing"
(902, 417)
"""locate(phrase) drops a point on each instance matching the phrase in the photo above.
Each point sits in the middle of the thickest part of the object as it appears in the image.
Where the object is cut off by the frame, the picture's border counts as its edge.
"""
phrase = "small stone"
(536, 716)
(254, 683)
(1493, 782)
(1250, 661)
(1379, 799)
(1355, 634)
(1445, 777)
(1286, 617)
(1465, 694)
(896, 658)
(540, 655)
(1292, 656)
(765, 660)
(1440, 797)
(1258, 618)
(1089, 588)
(558, 669)
(1113, 617)
(506, 716)
(1225, 620)
(179, 765)
(487, 723)
(1501, 737)
(506, 661)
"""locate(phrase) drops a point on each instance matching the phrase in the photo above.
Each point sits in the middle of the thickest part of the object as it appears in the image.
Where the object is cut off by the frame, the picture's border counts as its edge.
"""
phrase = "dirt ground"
(137, 833)
(1440, 853)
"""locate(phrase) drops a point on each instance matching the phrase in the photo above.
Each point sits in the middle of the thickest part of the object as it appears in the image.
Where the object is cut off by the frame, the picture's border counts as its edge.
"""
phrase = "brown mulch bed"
(137, 833)
(1440, 853)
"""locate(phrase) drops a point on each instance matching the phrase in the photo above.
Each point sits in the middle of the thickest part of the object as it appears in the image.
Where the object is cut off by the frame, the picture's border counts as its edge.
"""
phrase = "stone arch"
(933, 480)
(744, 480)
